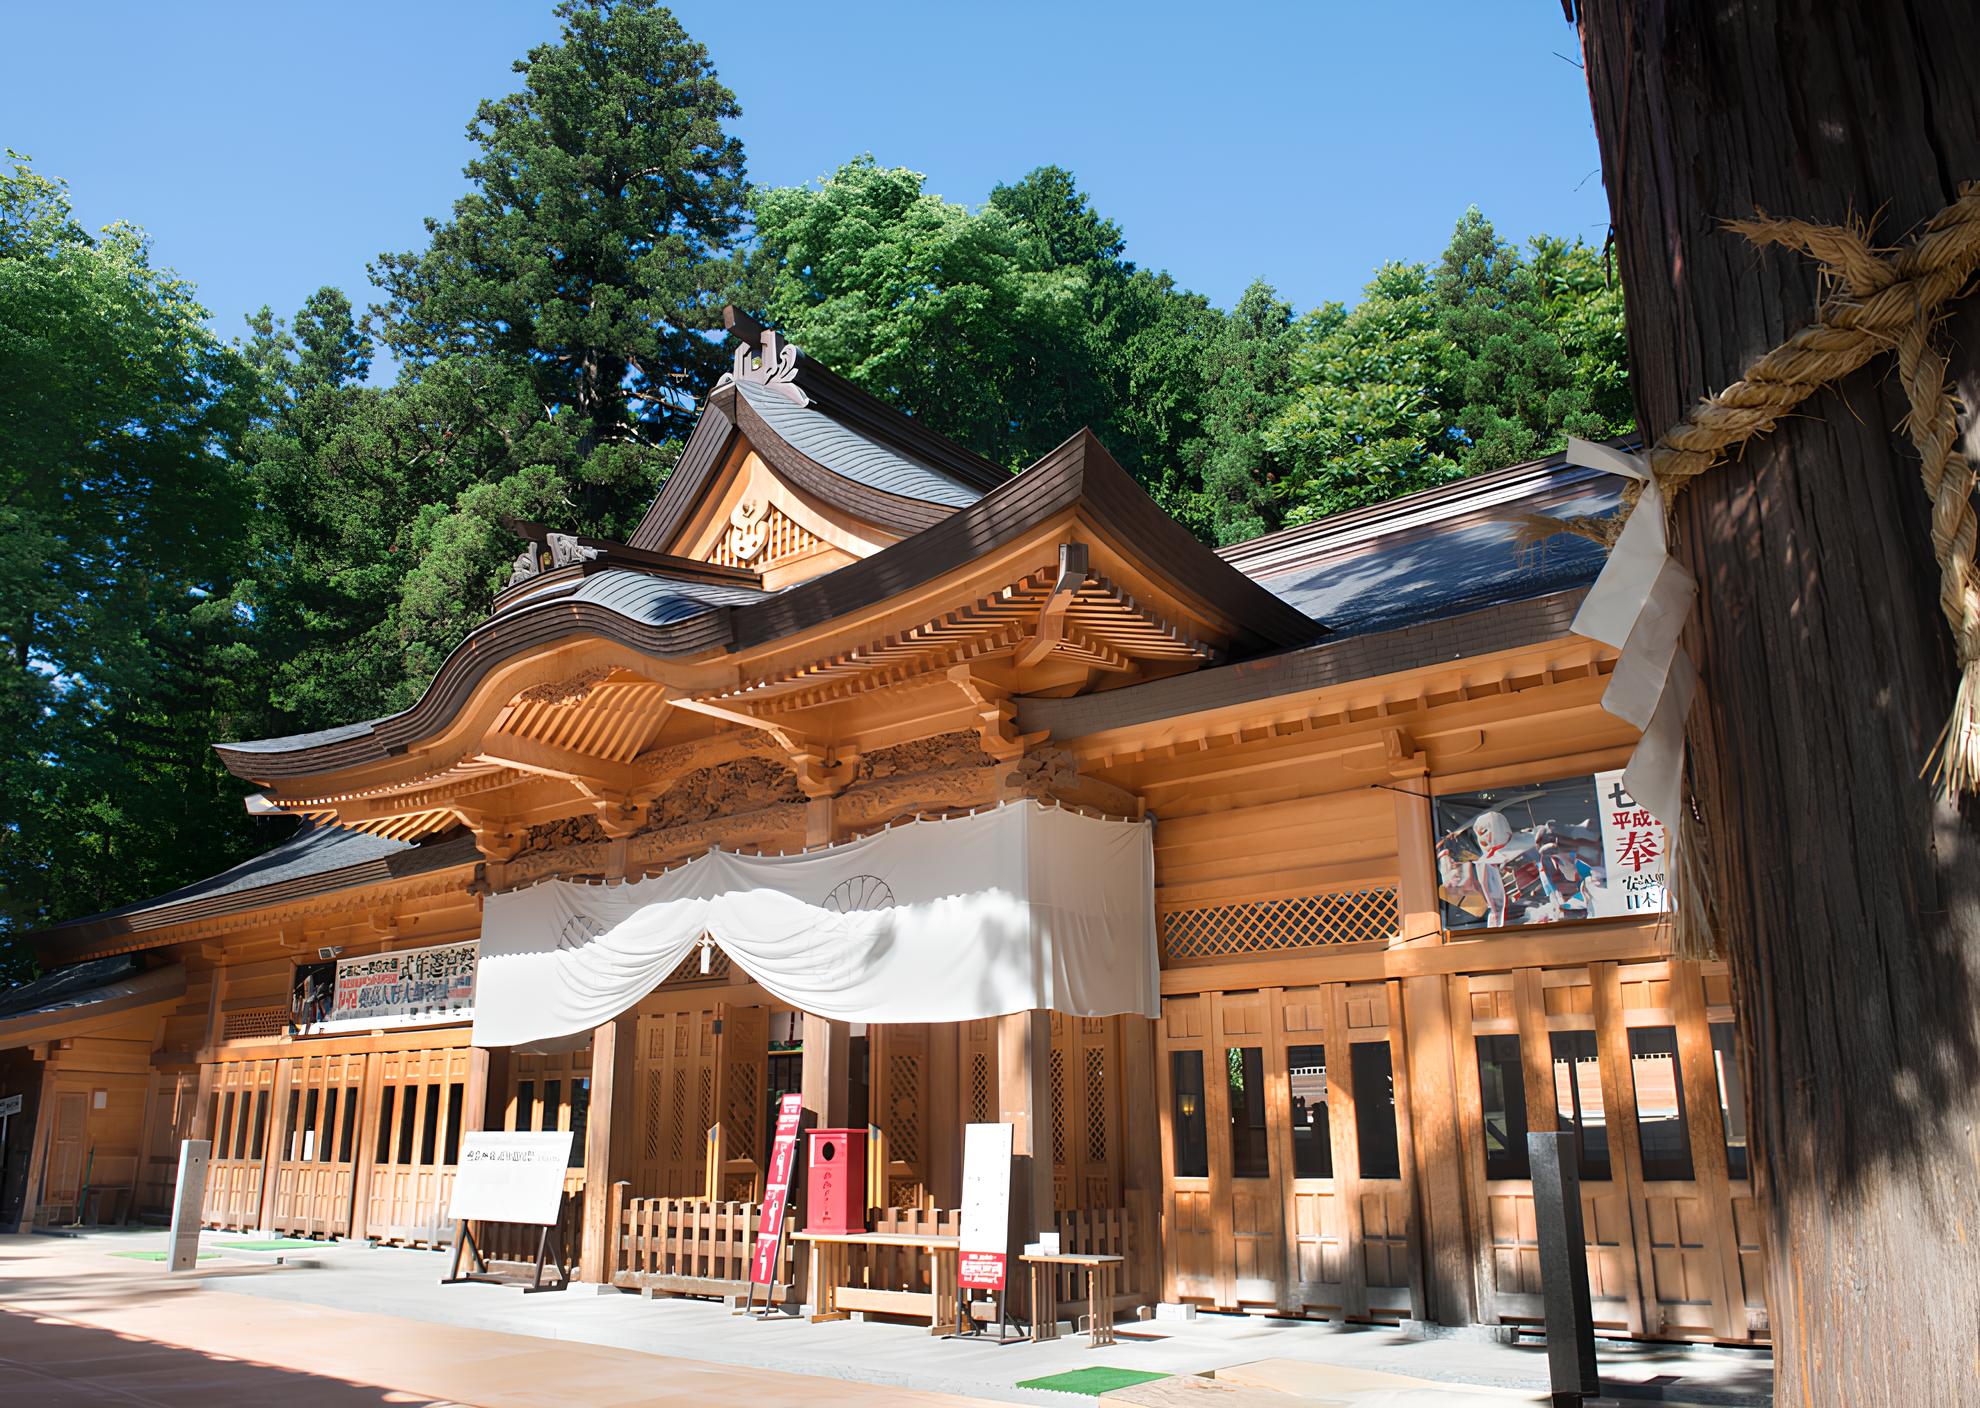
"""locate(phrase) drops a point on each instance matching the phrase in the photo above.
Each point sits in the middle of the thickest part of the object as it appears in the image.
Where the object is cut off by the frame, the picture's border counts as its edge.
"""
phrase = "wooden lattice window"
(254, 1022)
(979, 1088)
(1096, 1105)
(1267, 926)
(653, 1116)
(1058, 1096)
(679, 1150)
(904, 1124)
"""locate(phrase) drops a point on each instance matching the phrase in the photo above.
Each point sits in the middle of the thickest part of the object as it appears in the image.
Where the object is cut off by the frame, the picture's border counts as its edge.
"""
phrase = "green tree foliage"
(122, 523)
(1491, 358)
(939, 309)
(597, 242)
(1365, 423)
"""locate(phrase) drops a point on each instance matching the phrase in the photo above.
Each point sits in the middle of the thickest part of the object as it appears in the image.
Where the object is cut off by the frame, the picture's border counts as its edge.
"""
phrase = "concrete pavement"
(352, 1320)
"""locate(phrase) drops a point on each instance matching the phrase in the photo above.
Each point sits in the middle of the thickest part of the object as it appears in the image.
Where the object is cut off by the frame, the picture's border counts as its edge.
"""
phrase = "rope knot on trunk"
(1880, 301)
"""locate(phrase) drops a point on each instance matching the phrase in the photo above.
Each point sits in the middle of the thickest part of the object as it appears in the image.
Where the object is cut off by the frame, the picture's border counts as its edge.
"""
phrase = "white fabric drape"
(1021, 907)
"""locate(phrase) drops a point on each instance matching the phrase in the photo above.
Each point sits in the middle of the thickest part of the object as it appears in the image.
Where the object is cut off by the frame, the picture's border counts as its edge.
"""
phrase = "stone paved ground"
(354, 1325)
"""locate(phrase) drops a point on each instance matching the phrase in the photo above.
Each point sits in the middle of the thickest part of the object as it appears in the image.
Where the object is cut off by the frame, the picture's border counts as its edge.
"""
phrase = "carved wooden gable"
(751, 517)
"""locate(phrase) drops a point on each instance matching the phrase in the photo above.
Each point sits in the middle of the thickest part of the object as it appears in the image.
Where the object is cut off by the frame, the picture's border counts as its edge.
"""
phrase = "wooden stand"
(464, 1242)
(1100, 1274)
(836, 1293)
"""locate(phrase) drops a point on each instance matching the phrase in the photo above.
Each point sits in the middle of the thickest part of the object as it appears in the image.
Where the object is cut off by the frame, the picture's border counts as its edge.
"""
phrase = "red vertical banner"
(777, 1192)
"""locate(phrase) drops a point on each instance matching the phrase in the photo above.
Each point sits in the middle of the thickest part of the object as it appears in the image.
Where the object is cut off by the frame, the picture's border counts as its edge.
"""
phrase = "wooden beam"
(528, 755)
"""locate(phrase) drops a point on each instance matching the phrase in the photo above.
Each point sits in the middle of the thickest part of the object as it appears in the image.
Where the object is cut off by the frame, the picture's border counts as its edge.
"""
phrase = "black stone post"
(1563, 1269)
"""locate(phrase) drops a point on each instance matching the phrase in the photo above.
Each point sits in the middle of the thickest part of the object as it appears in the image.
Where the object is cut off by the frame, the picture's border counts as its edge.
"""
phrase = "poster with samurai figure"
(1578, 848)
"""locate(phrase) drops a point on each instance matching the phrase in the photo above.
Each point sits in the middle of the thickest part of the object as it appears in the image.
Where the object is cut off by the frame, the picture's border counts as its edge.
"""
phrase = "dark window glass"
(785, 1076)
(223, 1138)
(1245, 1073)
(580, 1118)
(1661, 1131)
(216, 1127)
(1192, 1139)
(347, 1146)
(260, 1144)
(1502, 1099)
(1732, 1099)
(553, 1100)
(383, 1154)
(1578, 1101)
(1313, 1138)
(295, 1134)
(309, 1136)
(859, 1069)
(326, 1150)
(408, 1123)
(526, 1105)
(456, 1101)
(429, 1130)
(1375, 1109)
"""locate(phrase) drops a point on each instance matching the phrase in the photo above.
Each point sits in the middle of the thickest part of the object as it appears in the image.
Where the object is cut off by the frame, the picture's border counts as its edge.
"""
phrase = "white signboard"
(1633, 846)
(10, 1105)
(504, 1177)
(985, 1243)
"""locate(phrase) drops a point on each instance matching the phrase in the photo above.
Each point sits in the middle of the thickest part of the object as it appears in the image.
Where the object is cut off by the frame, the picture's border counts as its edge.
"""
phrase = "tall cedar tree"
(597, 245)
(122, 522)
(1848, 895)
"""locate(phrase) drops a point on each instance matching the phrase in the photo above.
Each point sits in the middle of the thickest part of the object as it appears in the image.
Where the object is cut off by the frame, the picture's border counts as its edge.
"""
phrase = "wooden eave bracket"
(1051, 627)
(1396, 754)
(996, 716)
(823, 769)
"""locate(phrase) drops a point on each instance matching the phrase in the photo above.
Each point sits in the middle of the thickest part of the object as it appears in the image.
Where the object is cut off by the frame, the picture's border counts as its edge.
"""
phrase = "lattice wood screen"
(255, 1021)
(1306, 921)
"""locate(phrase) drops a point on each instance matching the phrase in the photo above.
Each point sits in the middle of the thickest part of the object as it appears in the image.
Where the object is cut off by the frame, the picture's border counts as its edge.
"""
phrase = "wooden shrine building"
(1403, 909)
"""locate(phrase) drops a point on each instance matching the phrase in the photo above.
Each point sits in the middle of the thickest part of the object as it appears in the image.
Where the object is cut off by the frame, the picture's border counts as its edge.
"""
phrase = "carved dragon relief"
(758, 800)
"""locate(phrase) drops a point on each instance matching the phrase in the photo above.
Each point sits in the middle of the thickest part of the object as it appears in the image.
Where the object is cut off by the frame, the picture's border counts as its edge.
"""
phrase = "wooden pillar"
(274, 1131)
(827, 1073)
(474, 1099)
(1439, 1148)
(1024, 1055)
(1418, 918)
(614, 1047)
(44, 1122)
(941, 1129)
(1141, 1154)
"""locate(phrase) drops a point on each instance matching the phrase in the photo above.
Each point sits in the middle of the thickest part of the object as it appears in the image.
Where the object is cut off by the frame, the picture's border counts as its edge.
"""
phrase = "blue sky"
(273, 147)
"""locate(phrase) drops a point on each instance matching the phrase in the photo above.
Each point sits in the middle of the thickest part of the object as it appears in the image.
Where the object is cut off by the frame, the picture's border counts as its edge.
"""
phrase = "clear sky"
(275, 146)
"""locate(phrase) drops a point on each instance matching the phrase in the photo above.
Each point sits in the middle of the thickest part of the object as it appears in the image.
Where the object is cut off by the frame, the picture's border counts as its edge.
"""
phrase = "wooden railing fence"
(688, 1246)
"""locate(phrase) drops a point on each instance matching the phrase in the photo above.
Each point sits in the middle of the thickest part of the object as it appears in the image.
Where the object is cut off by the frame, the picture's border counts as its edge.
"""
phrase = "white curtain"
(1021, 907)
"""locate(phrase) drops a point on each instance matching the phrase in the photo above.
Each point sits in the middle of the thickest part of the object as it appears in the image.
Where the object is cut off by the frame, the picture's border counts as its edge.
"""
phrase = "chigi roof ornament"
(764, 357)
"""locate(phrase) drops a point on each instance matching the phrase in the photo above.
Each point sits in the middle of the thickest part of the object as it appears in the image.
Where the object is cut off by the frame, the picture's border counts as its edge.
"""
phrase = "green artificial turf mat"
(1092, 1382)
(160, 1256)
(273, 1244)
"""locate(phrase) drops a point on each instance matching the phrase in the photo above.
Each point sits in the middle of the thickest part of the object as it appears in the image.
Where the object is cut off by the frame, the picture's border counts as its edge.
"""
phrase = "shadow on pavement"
(58, 1364)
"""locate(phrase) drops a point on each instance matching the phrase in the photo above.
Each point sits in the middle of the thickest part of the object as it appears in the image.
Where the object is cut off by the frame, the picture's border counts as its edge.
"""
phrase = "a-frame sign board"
(514, 1178)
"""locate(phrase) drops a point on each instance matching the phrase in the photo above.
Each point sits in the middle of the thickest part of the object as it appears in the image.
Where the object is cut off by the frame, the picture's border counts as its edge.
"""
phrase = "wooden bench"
(839, 1289)
(1101, 1272)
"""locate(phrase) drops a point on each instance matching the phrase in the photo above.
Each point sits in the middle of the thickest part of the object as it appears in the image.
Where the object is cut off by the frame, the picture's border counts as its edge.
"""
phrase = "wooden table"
(837, 1288)
(1100, 1273)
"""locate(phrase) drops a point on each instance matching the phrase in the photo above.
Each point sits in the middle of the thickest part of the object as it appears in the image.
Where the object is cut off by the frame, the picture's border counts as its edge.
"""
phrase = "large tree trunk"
(1848, 899)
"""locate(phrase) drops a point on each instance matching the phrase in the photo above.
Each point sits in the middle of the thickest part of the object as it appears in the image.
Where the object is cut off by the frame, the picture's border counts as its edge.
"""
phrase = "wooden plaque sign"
(985, 1244)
